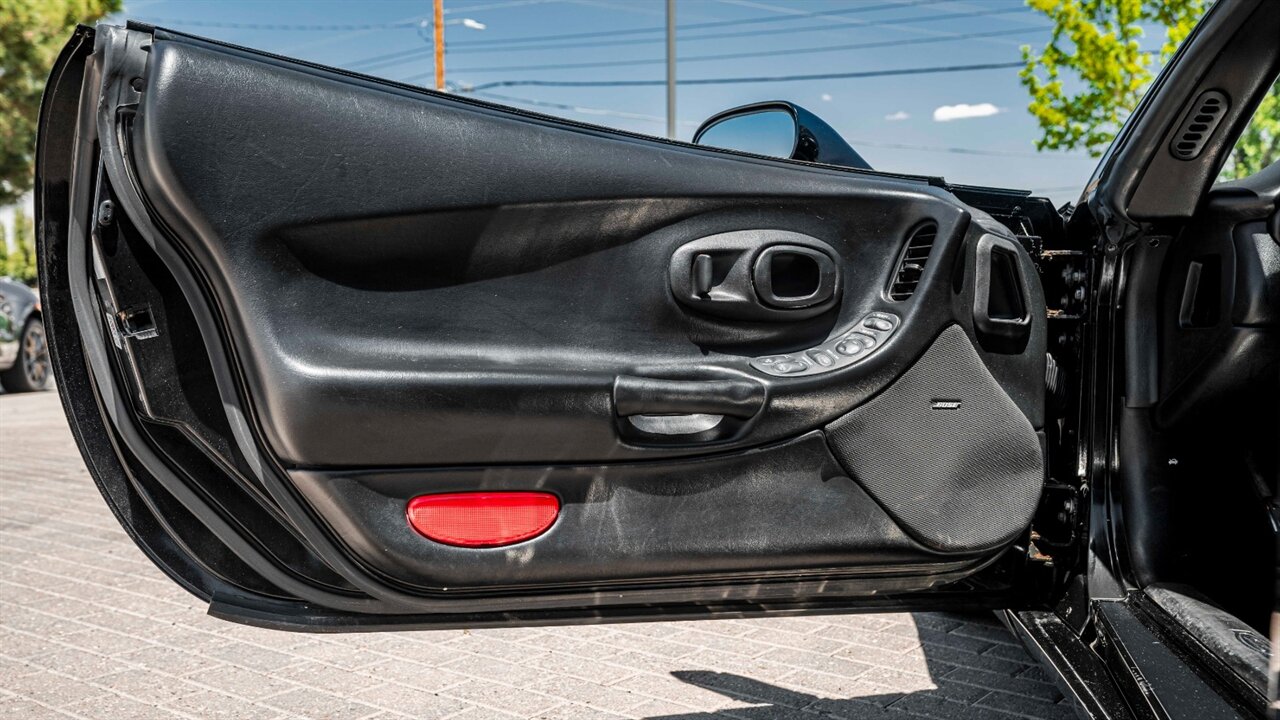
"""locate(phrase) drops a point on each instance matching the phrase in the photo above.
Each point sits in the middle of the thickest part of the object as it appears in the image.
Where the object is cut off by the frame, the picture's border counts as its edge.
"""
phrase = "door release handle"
(773, 275)
(794, 276)
(654, 411)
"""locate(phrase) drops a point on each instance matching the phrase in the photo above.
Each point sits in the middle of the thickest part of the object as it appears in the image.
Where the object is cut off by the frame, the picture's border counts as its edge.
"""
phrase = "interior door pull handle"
(1001, 300)
(652, 396)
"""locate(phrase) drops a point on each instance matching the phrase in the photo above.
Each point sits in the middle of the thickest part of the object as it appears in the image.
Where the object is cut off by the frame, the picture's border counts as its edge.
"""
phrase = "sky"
(969, 127)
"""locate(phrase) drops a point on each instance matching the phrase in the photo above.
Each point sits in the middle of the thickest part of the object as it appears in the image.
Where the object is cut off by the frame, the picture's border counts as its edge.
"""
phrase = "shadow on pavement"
(980, 686)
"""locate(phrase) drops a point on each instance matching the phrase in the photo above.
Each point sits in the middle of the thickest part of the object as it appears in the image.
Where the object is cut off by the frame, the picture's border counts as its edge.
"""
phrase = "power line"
(752, 33)
(342, 27)
(285, 26)
(497, 6)
(958, 150)
(329, 38)
(739, 80)
(336, 27)
(483, 46)
(702, 25)
(402, 56)
(581, 109)
(758, 53)
(791, 11)
(855, 142)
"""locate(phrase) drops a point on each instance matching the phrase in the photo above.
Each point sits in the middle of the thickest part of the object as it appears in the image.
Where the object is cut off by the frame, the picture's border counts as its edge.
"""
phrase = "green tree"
(4, 250)
(1259, 146)
(20, 259)
(1091, 74)
(32, 33)
(1089, 77)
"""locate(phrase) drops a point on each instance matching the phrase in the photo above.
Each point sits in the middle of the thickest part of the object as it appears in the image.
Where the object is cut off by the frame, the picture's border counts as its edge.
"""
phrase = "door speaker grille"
(911, 265)
(945, 451)
(1198, 126)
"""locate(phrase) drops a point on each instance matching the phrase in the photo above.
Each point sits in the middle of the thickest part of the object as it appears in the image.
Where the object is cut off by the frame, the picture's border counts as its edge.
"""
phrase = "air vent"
(911, 266)
(1198, 127)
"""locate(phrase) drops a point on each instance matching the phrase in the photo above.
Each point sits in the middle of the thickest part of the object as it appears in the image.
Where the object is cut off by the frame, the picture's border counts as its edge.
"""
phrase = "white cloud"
(896, 116)
(826, 97)
(947, 113)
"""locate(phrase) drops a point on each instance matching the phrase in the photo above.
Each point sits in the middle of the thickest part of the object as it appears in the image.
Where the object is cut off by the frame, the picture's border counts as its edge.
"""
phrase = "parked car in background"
(24, 354)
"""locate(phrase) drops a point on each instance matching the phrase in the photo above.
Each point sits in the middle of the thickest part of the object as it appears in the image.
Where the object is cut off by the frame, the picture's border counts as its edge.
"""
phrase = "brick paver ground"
(89, 628)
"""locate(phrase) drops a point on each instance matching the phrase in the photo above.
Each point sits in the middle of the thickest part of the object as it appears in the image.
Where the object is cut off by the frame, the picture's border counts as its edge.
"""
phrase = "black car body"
(581, 375)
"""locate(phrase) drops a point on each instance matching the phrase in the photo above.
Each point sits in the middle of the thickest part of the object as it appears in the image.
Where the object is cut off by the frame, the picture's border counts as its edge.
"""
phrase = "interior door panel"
(630, 521)
(326, 295)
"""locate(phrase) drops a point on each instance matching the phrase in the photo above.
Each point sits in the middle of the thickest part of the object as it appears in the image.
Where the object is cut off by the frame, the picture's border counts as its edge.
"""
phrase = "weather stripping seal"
(1079, 673)
(118, 411)
(119, 49)
(113, 404)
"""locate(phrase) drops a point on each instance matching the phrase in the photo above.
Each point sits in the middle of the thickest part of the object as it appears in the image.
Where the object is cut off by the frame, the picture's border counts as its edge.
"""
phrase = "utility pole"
(671, 69)
(437, 33)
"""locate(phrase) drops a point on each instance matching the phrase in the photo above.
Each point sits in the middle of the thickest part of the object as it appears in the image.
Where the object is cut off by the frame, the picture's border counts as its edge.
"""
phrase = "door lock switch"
(822, 357)
(842, 351)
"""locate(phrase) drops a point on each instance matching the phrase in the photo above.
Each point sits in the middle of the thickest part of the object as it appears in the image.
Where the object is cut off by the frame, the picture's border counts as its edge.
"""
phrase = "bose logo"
(945, 404)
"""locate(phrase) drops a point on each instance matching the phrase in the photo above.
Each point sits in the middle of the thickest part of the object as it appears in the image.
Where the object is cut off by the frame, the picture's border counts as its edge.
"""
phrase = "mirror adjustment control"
(841, 351)
(862, 338)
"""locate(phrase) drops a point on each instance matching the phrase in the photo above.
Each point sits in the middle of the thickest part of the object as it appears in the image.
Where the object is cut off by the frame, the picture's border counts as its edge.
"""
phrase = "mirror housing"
(809, 137)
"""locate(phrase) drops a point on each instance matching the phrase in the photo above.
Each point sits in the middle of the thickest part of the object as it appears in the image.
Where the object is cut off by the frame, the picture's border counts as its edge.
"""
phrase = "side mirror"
(778, 129)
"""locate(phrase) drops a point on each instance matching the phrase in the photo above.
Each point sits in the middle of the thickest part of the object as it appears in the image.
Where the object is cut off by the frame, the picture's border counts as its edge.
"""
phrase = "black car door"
(347, 353)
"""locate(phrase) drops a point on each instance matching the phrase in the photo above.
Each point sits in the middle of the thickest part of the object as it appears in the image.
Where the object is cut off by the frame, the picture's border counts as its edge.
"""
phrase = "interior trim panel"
(391, 294)
(518, 293)
(789, 507)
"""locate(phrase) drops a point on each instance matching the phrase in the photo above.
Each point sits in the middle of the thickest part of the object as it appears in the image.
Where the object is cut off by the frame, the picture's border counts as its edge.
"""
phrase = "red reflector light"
(483, 519)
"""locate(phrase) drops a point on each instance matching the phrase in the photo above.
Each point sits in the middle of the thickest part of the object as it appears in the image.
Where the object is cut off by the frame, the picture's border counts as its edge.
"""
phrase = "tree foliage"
(18, 255)
(1259, 146)
(1090, 76)
(31, 34)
